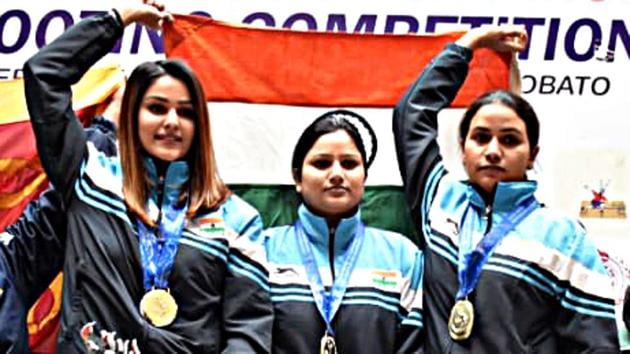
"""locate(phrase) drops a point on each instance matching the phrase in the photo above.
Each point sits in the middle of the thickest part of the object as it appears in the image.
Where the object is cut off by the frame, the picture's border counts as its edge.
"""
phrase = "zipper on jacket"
(487, 215)
(160, 198)
(331, 251)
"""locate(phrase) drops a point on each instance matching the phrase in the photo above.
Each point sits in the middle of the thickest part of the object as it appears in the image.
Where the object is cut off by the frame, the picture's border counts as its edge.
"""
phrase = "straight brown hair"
(206, 190)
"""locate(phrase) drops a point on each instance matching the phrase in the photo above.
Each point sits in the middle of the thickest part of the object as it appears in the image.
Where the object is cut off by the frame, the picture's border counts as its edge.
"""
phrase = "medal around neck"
(158, 247)
(158, 306)
(460, 322)
(327, 345)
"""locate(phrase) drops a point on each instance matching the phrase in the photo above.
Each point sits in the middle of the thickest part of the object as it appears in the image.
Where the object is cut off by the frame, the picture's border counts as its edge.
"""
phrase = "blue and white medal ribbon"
(157, 255)
(471, 262)
(328, 302)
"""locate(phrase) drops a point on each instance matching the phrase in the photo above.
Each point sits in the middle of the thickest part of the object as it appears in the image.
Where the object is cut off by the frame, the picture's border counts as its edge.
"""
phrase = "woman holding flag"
(337, 285)
(502, 273)
(159, 255)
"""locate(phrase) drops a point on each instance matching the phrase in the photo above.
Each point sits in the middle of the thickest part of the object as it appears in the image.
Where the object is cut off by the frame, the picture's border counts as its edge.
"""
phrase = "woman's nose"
(493, 151)
(336, 172)
(171, 117)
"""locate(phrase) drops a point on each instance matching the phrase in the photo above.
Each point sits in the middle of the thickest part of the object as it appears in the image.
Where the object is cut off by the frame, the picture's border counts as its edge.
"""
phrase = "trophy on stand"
(599, 206)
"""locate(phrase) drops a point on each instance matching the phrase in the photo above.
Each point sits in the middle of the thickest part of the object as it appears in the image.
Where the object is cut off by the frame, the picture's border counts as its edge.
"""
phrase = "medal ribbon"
(470, 263)
(328, 302)
(157, 252)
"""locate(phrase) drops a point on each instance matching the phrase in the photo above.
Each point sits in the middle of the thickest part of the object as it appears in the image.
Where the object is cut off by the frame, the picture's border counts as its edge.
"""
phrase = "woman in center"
(336, 284)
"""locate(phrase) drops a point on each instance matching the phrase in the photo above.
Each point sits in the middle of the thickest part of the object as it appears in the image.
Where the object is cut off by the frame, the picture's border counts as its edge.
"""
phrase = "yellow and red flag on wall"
(21, 175)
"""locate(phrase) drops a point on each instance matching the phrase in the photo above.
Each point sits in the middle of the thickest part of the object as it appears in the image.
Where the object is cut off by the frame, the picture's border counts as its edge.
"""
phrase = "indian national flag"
(22, 177)
(266, 85)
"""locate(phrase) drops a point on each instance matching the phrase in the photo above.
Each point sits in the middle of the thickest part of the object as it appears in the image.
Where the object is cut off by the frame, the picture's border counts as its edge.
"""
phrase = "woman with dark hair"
(339, 286)
(159, 255)
(502, 273)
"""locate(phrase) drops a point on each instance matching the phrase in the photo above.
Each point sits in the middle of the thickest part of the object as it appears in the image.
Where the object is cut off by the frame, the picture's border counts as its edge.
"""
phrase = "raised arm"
(415, 122)
(48, 76)
(416, 126)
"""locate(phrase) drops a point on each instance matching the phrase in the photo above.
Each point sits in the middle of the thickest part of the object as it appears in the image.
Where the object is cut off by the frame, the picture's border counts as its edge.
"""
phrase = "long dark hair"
(206, 187)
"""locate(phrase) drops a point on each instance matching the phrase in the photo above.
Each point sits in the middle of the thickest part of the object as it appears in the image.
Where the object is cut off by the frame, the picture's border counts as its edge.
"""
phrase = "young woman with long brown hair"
(159, 256)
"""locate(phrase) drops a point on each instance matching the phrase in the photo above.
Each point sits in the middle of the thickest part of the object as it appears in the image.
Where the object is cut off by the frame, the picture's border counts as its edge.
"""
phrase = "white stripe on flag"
(254, 142)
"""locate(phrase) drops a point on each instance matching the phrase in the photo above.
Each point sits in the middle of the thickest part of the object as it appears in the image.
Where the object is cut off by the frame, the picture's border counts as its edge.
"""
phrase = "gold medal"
(461, 320)
(159, 307)
(327, 345)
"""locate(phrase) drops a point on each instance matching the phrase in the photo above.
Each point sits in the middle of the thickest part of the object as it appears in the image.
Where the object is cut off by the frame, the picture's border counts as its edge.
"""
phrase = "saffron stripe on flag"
(275, 66)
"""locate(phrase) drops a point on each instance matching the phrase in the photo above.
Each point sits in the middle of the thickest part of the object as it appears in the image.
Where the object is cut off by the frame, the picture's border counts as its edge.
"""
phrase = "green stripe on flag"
(382, 206)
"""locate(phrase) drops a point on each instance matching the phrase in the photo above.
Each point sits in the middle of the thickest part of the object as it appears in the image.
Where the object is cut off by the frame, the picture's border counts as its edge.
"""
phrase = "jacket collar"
(506, 197)
(318, 233)
(176, 176)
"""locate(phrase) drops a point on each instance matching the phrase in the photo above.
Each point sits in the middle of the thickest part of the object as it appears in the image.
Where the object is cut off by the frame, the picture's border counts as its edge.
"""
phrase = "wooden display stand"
(615, 209)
